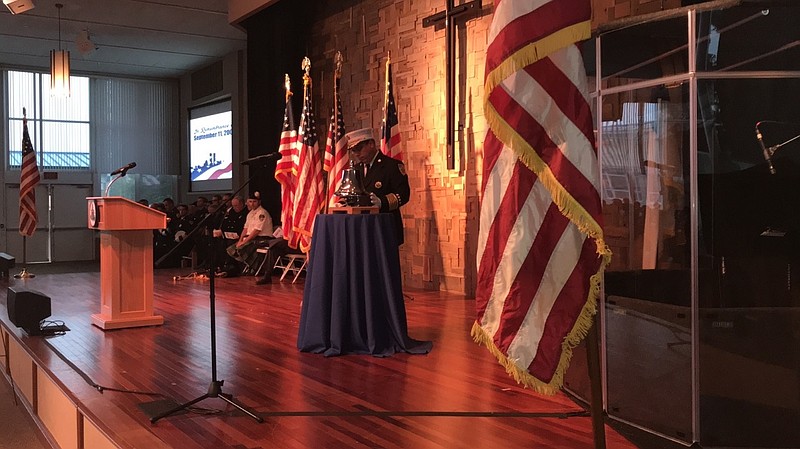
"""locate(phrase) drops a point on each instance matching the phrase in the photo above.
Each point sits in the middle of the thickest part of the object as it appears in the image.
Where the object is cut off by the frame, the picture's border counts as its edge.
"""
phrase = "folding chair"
(292, 263)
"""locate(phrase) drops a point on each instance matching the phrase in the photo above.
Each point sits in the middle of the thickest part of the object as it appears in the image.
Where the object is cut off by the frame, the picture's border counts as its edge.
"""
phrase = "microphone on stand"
(123, 169)
(765, 150)
(262, 159)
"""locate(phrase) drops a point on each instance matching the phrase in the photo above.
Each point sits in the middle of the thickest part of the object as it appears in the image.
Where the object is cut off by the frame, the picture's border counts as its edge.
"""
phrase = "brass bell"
(351, 192)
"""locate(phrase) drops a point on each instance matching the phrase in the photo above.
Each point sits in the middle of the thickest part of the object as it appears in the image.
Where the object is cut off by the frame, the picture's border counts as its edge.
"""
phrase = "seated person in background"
(200, 208)
(226, 199)
(163, 242)
(203, 238)
(278, 247)
(184, 224)
(228, 233)
(181, 210)
(169, 205)
(216, 199)
(257, 230)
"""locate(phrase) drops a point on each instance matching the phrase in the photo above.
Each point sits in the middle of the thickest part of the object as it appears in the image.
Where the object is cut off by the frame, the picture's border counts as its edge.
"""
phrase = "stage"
(457, 396)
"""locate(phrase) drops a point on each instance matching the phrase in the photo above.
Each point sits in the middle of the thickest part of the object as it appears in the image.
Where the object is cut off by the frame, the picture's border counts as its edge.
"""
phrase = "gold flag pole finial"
(287, 83)
(306, 66)
(339, 59)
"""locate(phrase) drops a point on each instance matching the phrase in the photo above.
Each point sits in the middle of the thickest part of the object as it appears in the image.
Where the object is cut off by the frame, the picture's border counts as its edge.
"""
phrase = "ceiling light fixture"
(59, 66)
(19, 6)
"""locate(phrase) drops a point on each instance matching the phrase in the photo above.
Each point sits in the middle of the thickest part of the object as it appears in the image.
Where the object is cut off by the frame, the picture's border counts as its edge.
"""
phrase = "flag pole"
(337, 75)
(385, 103)
(24, 274)
(26, 145)
(596, 386)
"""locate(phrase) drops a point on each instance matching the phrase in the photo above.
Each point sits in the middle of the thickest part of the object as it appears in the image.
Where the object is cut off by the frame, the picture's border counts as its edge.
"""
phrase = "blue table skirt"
(353, 297)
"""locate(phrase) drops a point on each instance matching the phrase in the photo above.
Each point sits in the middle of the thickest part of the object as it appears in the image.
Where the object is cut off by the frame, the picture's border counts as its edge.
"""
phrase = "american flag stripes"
(541, 251)
(336, 156)
(286, 167)
(28, 180)
(309, 191)
(390, 128)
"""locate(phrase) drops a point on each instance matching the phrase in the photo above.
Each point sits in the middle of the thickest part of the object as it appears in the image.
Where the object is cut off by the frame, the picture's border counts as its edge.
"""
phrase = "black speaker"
(27, 308)
(6, 262)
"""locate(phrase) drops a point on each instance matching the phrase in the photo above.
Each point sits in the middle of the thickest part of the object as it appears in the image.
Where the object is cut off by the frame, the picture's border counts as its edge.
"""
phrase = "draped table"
(353, 298)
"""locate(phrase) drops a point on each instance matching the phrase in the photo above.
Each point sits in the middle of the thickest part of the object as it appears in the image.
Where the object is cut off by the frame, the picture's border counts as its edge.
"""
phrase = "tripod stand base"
(214, 391)
(24, 274)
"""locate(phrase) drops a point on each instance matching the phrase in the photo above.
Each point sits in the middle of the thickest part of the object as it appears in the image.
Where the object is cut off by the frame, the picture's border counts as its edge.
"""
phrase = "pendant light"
(59, 66)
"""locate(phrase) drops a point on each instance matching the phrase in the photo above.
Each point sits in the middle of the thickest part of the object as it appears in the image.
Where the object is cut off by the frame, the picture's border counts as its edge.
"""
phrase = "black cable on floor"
(89, 380)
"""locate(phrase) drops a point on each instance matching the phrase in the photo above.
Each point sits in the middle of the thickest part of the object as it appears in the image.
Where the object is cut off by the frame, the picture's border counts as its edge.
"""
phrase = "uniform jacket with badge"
(233, 223)
(387, 179)
(258, 220)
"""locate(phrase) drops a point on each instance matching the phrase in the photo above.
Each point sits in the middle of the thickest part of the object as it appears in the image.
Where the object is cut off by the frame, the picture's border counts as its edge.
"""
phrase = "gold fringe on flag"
(565, 202)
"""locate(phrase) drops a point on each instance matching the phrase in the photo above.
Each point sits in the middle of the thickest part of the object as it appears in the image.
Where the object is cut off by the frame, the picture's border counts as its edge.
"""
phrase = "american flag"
(541, 250)
(28, 180)
(390, 128)
(309, 191)
(336, 156)
(286, 168)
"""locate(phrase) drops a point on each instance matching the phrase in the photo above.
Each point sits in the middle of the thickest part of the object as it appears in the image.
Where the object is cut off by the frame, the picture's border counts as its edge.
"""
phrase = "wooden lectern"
(126, 261)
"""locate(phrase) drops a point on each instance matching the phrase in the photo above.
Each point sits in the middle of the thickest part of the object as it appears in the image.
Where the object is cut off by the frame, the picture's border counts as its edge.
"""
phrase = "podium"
(126, 261)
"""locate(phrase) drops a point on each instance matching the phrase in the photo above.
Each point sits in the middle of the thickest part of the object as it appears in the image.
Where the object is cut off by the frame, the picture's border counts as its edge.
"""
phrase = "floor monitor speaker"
(27, 309)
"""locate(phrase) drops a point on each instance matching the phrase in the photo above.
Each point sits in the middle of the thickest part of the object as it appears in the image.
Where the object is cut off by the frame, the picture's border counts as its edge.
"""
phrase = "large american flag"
(309, 191)
(390, 128)
(286, 167)
(541, 250)
(336, 156)
(28, 180)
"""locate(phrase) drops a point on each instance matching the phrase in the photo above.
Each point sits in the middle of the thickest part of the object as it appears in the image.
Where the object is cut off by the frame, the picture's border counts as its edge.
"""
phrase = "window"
(58, 127)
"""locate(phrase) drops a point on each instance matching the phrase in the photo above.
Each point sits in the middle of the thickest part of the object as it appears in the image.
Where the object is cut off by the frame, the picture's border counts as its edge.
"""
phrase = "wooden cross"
(447, 20)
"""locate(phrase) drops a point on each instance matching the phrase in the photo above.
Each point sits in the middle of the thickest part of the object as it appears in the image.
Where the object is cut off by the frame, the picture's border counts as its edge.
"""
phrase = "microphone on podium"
(123, 169)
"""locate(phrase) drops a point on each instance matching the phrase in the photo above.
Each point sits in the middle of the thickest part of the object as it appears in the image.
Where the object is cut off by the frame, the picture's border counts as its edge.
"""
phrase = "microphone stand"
(215, 387)
(108, 187)
(771, 150)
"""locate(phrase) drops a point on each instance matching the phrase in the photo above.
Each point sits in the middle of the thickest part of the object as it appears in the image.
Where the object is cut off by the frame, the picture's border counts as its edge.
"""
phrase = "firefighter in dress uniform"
(383, 177)
(257, 231)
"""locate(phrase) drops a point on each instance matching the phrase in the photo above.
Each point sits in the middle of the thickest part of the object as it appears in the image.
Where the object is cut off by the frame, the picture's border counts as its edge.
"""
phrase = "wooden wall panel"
(93, 438)
(441, 220)
(58, 414)
(23, 371)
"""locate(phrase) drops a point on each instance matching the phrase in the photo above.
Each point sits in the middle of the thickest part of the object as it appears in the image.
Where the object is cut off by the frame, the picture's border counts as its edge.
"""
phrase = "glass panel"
(59, 127)
(65, 145)
(72, 108)
(648, 296)
(748, 253)
(728, 39)
(645, 51)
(21, 94)
(135, 187)
(15, 141)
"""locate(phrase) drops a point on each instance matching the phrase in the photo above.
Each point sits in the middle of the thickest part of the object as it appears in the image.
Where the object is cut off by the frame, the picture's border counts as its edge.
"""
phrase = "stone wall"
(441, 220)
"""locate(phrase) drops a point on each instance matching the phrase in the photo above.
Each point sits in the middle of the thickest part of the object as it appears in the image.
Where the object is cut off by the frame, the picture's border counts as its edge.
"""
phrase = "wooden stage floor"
(457, 396)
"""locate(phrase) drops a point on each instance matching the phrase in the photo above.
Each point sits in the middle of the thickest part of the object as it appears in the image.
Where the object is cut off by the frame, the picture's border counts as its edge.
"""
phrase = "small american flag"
(541, 251)
(390, 127)
(285, 169)
(336, 156)
(28, 180)
(309, 191)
